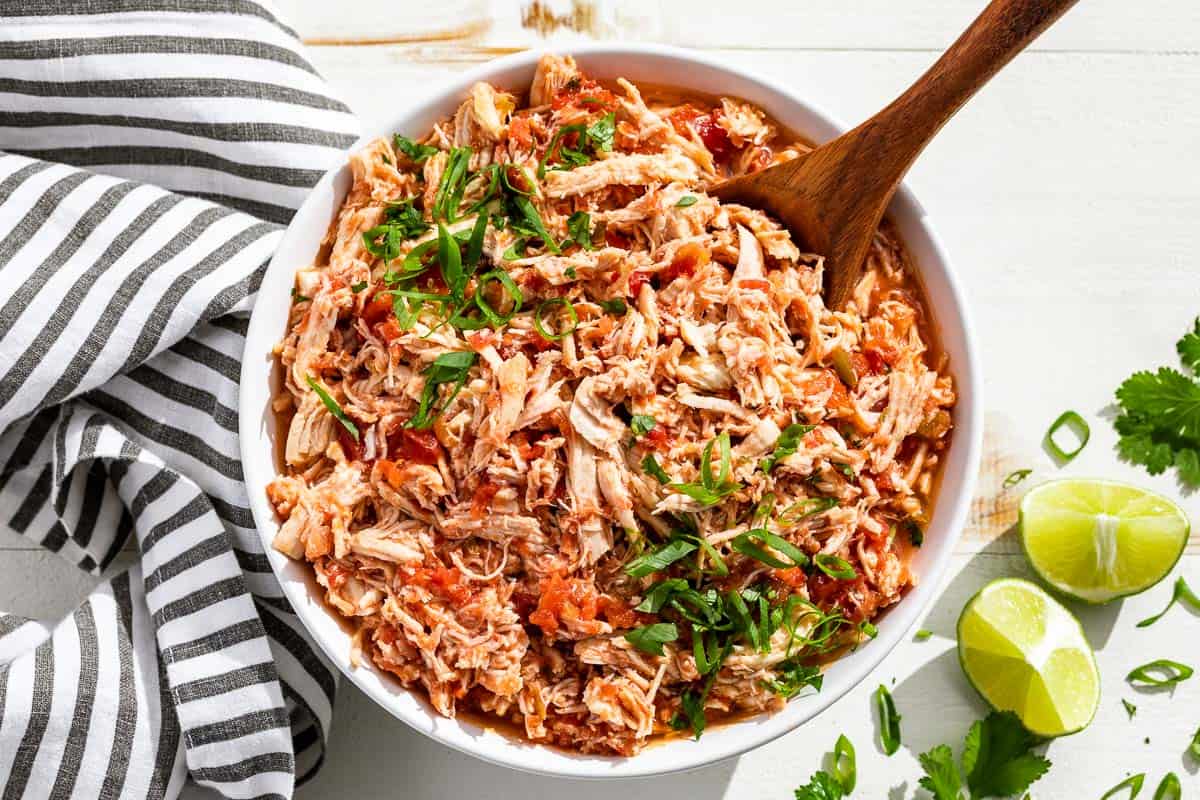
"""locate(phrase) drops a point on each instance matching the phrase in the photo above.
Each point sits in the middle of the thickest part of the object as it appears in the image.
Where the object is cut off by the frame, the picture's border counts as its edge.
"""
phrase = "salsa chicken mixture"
(576, 446)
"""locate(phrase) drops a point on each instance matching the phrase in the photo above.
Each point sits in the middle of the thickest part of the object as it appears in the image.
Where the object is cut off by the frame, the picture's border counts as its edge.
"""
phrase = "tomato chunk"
(564, 599)
(688, 258)
(379, 309)
(636, 281)
(421, 447)
(442, 581)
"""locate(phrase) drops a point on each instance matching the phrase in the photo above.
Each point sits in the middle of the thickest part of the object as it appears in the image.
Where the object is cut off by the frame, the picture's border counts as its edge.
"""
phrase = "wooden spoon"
(833, 197)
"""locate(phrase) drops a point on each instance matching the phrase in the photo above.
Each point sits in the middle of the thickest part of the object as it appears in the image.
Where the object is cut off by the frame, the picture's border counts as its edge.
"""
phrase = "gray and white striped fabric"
(150, 151)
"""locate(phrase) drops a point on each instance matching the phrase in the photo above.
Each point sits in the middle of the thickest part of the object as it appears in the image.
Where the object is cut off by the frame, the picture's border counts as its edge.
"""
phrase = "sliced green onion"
(844, 367)
(808, 507)
(525, 177)
(533, 222)
(1015, 477)
(475, 244)
(1077, 425)
(541, 309)
(751, 543)
(358, 287)
(889, 720)
(740, 615)
(453, 367)
(450, 259)
(659, 559)
(414, 263)
(786, 445)
(511, 289)
(845, 772)
(1130, 708)
(1169, 789)
(762, 511)
(834, 566)
(1183, 593)
(515, 250)
(1133, 783)
(451, 186)
(652, 468)
(1194, 747)
(922, 634)
(657, 595)
(709, 490)
(708, 652)
(1160, 672)
(719, 567)
(915, 534)
(332, 406)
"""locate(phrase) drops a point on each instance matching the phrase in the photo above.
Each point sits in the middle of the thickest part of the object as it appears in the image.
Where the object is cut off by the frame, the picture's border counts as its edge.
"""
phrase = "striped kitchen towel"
(150, 152)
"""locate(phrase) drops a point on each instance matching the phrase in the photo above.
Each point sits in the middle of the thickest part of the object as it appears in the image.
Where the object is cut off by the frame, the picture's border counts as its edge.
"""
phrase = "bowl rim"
(736, 737)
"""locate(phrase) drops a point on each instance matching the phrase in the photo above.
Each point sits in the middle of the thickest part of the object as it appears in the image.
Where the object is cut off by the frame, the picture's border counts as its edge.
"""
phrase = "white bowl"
(260, 379)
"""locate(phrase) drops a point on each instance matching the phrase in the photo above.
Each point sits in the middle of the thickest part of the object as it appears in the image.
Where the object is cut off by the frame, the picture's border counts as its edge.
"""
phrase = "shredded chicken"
(526, 336)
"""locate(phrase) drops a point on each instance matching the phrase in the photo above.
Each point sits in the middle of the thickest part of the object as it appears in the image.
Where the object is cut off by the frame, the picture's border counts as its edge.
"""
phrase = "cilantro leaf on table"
(822, 786)
(1189, 348)
(1167, 400)
(996, 761)
(941, 775)
(996, 757)
(1159, 424)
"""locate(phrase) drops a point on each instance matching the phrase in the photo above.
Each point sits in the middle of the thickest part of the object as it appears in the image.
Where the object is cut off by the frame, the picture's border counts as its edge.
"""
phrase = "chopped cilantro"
(415, 152)
(641, 424)
(650, 638)
(997, 761)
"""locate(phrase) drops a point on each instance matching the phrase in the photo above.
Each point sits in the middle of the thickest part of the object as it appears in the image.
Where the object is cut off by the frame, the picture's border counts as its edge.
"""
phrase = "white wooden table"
(1067, 194)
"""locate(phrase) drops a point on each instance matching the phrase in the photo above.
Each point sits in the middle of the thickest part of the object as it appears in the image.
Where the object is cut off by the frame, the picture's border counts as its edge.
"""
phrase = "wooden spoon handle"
(1005, 28)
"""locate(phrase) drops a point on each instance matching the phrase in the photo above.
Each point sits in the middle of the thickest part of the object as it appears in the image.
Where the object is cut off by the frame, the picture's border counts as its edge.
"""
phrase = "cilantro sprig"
(401, 222)
(1159, 422)
(997, 761)
(417, 153)
(651, 638)
(590, 139)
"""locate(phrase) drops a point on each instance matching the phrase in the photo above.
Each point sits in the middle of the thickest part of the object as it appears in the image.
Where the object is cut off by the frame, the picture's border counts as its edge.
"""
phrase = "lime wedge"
(1027, 654)
(1098, 540)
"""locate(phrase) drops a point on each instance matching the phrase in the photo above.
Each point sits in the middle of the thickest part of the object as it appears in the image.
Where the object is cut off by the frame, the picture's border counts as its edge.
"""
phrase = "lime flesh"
(1024, 652)
(1098, 540)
